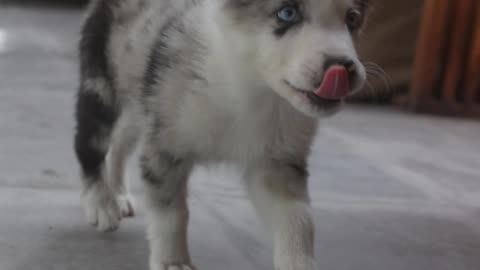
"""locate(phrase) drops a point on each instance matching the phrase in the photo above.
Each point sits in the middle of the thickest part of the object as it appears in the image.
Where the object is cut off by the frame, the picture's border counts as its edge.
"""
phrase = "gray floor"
(390, 190)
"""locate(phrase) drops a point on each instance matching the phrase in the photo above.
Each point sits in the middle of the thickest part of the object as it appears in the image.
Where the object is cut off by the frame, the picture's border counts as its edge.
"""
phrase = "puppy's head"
(302, 49)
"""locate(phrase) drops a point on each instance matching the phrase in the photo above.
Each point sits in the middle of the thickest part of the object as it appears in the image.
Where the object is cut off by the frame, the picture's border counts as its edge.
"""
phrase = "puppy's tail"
(95, 108)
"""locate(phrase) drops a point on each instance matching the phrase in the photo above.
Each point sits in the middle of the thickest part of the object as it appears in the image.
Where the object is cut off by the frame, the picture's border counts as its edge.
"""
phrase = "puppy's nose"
(341, 61)
(337, 78)
(333, 74)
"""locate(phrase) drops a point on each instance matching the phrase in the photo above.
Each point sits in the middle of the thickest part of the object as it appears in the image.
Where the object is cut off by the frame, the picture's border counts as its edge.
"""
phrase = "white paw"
(104, 209)
(126, 206)
(297, 263)
(173, 267)
(178, 267)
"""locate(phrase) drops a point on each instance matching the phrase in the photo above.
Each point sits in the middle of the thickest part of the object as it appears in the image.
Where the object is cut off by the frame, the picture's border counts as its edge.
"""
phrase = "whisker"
(375, 71)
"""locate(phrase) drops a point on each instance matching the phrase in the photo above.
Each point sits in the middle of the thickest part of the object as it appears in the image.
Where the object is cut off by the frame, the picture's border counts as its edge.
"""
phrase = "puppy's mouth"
(315, 100)
(334, 87)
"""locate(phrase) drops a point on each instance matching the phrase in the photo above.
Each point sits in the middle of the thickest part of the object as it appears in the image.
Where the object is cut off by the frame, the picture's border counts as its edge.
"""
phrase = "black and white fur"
(206, 81)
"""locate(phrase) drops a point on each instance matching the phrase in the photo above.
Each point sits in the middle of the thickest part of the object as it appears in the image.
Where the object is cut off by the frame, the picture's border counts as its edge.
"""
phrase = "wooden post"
(446, 75)
(430, 49)
(457, 51)
(472, 83)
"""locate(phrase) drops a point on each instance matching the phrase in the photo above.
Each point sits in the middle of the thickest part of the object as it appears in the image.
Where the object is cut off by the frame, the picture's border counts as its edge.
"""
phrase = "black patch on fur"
(95, 120)
(169, 183)
(149, 177)
(239, 3)
(163, 56)
(283, 26)
(94, 42)
(95, 117)
(300, 169)
(159, 59)
(148, 173)
(282, 30)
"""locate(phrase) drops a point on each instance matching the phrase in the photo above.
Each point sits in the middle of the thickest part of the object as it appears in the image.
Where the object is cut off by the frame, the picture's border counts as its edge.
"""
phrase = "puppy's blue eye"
(288, 14)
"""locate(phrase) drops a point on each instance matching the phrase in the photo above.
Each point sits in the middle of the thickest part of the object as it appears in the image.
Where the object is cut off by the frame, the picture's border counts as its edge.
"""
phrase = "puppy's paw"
(302, 263)
(173, 267)
(178, 267)
(126, 206)
(104, 209)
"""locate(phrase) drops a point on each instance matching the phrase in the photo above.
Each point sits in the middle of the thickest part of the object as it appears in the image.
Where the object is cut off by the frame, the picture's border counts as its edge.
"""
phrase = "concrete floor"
(390, 190)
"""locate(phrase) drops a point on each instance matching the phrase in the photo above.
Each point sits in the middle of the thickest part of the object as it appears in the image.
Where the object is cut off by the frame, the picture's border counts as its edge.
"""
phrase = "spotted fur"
(205, 81)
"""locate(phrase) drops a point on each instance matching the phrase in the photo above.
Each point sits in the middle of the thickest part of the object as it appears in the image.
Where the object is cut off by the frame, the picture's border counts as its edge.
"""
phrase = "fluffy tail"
(95, 109)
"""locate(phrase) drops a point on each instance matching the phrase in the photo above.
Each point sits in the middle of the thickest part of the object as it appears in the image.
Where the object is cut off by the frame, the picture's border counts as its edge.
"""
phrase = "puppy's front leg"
(279, 192)
(165, 177)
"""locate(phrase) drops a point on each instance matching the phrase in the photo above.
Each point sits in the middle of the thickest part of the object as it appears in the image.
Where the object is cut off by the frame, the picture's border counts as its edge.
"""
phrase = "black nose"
(331, 60)
(342, 61)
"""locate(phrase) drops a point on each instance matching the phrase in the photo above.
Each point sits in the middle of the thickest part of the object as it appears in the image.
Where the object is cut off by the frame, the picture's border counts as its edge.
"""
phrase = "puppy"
(202, 81)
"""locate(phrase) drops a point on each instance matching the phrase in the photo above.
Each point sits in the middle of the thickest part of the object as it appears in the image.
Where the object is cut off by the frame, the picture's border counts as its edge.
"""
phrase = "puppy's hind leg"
(165, 178)
(279, 192)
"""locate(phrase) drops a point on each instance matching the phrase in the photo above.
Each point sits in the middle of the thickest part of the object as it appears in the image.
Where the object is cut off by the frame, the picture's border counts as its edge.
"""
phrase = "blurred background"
(430, 51)
(395, 177)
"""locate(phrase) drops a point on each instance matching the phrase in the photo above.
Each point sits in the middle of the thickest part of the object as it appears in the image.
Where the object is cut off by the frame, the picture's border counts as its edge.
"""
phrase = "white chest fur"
(267, 127)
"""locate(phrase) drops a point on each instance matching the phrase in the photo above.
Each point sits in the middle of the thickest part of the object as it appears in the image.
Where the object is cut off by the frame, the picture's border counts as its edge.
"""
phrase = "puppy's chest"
(215, 135)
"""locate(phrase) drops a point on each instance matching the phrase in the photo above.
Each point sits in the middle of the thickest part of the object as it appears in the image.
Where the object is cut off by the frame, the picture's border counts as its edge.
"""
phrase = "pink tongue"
(335, 85)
